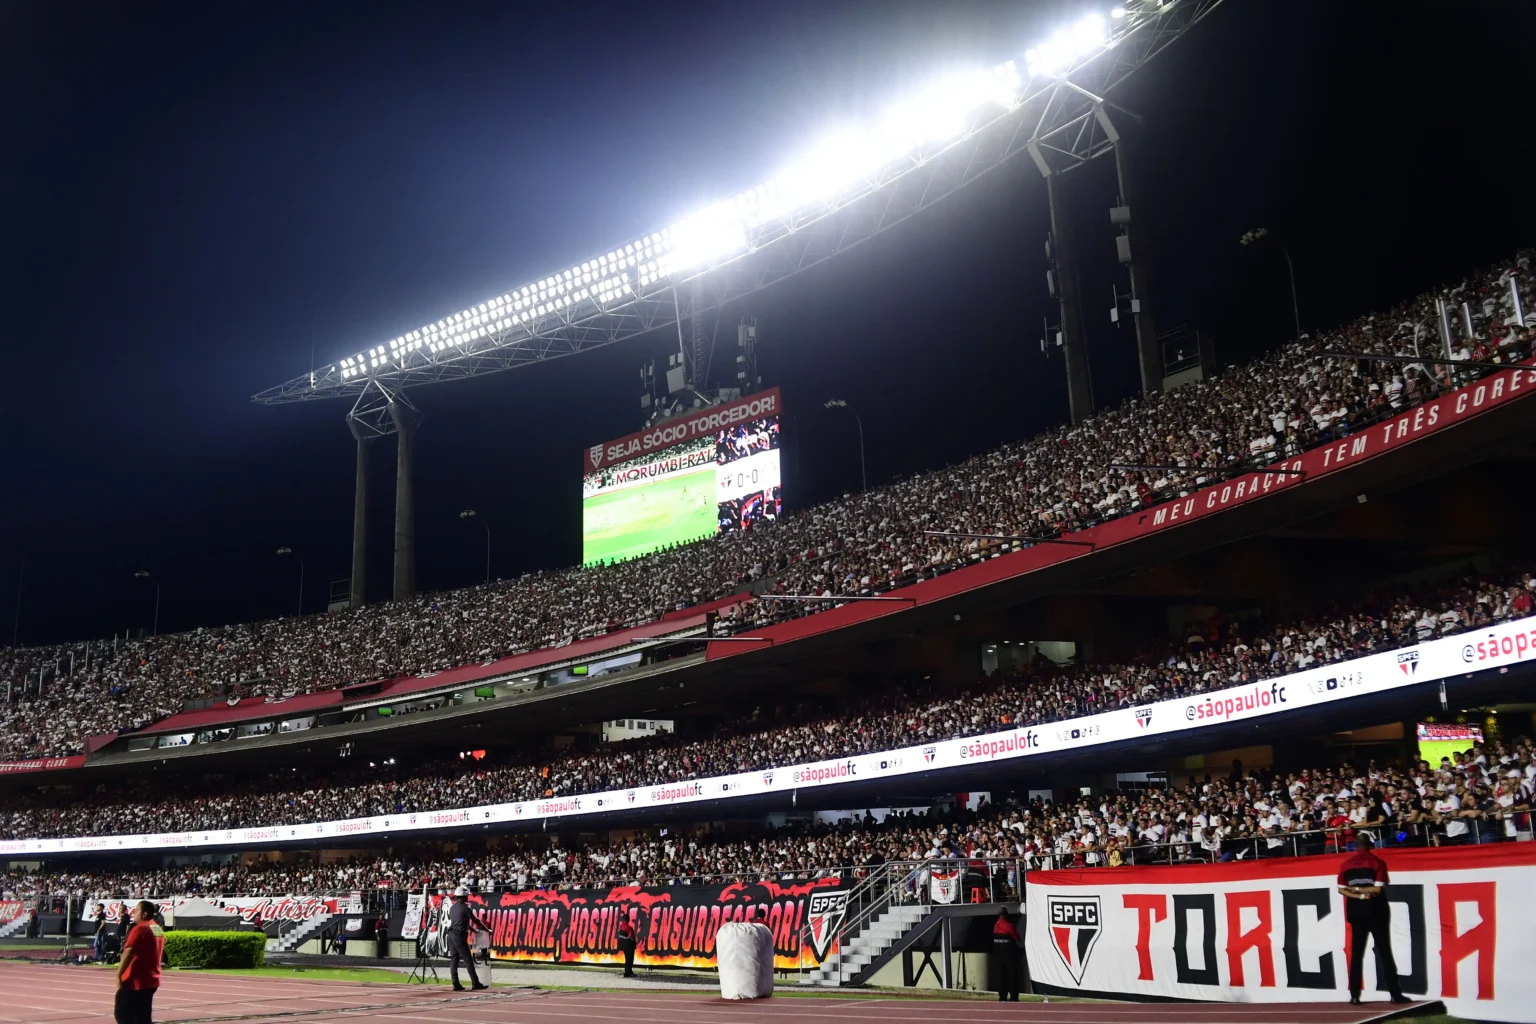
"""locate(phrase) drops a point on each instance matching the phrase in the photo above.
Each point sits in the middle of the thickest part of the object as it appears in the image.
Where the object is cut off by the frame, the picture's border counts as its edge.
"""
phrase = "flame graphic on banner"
(675, 926)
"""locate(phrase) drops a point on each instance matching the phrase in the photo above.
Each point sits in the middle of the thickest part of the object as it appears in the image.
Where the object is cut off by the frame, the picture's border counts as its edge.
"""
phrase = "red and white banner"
(270, 908)
(687, 428)
(1274, 930)
(13, 910)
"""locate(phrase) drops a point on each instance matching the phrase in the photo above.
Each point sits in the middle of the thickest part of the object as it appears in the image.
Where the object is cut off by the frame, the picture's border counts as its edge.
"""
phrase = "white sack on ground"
(745, 954)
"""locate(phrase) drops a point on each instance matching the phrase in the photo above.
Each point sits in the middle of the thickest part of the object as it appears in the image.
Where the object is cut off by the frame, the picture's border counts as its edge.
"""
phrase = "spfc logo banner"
(822, 921)
(1275, 931)
(1075, 928)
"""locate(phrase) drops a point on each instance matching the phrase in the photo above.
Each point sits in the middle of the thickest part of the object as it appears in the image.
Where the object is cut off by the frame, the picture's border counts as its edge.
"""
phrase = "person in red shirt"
(138, 973)
(1005, 956)
(1362, 882)
(627, 942)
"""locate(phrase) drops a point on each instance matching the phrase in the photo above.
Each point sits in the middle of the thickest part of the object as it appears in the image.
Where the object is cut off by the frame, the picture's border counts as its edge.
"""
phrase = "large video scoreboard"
(712, 470)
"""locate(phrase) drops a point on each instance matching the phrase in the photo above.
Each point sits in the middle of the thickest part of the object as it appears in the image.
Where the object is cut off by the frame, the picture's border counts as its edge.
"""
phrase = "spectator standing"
(99, 938)
(627, 944)
(138, 974)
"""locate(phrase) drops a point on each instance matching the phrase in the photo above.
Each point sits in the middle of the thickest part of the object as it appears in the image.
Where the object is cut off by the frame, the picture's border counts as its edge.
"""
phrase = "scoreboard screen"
(727, 479)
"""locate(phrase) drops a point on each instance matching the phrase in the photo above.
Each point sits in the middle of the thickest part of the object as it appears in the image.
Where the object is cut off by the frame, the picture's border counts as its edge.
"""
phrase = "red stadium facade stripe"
(1432, 417)
(41, 764)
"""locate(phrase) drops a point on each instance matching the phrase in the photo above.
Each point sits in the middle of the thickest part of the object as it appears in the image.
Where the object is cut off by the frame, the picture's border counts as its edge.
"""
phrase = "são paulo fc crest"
(767, 778)
(1408, 662)
(1143, 717)
(596, 452)
(929, 753)
(826, 913)
(1075, 927)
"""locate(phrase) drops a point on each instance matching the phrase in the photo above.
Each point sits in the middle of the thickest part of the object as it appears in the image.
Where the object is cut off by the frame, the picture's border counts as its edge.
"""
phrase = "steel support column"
(380, 411)
(360, 526)
(405, 419)
(1073, 336)
(1149, 352)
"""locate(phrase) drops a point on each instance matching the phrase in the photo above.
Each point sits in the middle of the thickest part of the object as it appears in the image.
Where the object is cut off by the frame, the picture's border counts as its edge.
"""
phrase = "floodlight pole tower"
(1147, 349)
(380, 411)
(654, 283)
(1073, 335)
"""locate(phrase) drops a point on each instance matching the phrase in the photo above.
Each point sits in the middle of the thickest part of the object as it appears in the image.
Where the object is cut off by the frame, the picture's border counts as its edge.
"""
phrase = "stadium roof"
(843, 190)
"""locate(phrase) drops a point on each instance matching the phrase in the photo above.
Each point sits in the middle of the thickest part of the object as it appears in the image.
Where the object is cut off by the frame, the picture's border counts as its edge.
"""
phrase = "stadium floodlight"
(470, 513)
(145, 574)
(626, 290)
(1256, 235)
(282, 551)
(838, 403)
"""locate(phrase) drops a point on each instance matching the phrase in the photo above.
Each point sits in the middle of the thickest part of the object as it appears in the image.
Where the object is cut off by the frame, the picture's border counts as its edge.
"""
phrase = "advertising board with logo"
(1274, 931)
(267, 908)
(675, 926)
(1499, 646)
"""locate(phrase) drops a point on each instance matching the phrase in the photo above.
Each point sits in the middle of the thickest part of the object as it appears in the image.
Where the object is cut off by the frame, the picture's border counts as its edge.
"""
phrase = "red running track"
(53, 994)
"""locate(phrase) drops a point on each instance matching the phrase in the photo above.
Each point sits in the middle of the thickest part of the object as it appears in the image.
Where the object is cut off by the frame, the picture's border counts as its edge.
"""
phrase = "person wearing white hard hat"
(460, 918)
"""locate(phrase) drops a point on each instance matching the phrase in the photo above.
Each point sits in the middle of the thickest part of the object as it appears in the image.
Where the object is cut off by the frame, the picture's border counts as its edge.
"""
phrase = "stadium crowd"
(1058, 482)
(1219, 656)
(1483, 795)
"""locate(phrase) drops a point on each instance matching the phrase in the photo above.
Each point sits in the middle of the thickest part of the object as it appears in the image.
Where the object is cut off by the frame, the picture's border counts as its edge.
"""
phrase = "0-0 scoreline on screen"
(724, 475)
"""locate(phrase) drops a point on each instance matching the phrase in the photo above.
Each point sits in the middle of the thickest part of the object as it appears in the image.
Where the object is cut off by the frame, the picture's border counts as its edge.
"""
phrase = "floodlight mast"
(1054, 118)
(1051, 114)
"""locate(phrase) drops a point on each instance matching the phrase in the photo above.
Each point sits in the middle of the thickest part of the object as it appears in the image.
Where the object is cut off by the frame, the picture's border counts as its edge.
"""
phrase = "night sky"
(201, 199)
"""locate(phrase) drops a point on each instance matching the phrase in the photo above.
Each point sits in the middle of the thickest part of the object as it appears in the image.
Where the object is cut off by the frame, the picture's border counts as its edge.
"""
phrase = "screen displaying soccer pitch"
(725, 481)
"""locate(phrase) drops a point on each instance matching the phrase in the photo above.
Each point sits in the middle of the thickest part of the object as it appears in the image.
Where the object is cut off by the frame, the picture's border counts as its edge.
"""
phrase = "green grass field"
(637, 520)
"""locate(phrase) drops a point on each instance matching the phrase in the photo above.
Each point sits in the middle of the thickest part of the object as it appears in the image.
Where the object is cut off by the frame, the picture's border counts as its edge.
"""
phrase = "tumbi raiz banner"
(675, 926)
(1273, 931)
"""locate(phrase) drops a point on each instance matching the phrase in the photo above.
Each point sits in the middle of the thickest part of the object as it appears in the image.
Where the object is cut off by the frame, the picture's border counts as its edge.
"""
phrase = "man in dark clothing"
(381, 936)
(99, 939)
(1005, 956)
(627, 944)
(460, 918)
(1362, 881)
(124, 923)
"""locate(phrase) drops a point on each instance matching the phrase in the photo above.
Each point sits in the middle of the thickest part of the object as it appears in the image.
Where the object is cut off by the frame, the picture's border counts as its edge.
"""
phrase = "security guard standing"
(627, 941)
(460, 917)
(1005, 956)
(1362, 881)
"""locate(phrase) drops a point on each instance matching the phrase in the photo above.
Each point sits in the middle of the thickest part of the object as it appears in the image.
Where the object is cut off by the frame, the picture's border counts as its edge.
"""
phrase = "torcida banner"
(1273, 931)
(675, 925)
(696, 424)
